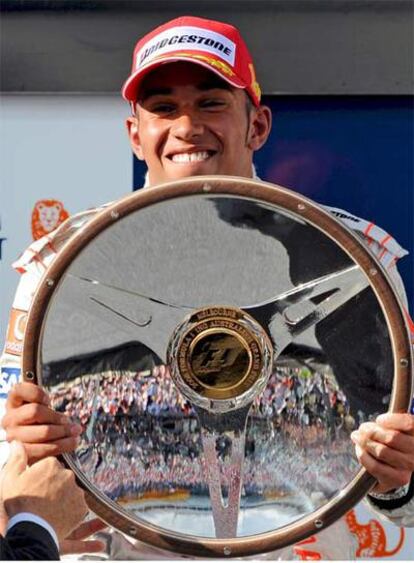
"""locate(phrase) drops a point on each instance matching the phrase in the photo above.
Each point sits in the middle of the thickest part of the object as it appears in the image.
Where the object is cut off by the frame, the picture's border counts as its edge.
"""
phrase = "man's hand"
(386, 449)
(30, 420)
(76, 542)
(45, 489)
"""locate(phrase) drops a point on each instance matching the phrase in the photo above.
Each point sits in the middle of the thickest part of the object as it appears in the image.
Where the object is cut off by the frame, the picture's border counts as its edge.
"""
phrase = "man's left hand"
(386, 449)
(77, 542)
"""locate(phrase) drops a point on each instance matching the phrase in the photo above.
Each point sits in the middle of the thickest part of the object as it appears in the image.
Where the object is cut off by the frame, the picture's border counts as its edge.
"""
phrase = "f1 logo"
(217, 354)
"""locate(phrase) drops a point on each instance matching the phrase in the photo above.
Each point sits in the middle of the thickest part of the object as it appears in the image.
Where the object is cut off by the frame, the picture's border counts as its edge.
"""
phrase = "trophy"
(218, 339)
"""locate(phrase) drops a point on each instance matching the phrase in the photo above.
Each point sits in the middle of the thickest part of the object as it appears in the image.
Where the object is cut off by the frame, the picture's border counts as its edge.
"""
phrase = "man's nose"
(187, 126)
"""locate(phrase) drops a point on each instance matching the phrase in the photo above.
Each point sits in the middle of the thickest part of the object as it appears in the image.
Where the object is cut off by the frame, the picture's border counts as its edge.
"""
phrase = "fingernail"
(381, 417)
(64, 419)
(75, 429)
(354, 436)
(14, 446)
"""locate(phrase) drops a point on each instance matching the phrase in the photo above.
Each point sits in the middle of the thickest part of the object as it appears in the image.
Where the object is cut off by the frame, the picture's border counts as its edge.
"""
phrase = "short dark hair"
(249, 104)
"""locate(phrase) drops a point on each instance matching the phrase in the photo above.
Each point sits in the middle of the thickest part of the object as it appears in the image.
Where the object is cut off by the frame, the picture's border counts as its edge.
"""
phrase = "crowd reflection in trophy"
(141, 436)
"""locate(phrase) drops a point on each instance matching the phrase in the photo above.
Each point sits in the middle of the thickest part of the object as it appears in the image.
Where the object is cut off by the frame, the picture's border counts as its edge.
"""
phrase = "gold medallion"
(219, 357)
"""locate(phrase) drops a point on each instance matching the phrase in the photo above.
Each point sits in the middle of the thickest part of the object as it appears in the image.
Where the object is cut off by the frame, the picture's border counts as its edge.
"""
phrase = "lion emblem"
(47, 214)
(372, 538)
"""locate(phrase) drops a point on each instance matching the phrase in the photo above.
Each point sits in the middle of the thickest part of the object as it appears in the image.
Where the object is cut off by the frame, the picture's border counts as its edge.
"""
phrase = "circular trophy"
(218, 339)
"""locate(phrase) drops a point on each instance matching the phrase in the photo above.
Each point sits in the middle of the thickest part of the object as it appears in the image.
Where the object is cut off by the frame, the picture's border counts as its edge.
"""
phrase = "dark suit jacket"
(28, 541)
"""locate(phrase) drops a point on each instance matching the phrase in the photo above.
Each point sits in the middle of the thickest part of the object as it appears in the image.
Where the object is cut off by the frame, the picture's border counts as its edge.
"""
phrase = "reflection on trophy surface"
(141, 444)
(217, 367)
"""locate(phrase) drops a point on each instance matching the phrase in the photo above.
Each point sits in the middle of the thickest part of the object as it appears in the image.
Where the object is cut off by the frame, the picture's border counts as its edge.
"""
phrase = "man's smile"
(191, 156)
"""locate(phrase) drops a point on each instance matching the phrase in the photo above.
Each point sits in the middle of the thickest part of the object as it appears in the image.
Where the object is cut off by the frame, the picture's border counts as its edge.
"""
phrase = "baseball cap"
(215, 45)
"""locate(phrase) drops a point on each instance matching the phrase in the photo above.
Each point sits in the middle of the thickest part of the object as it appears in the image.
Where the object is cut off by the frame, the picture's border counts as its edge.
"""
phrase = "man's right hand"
(45, 489)
(43, 431)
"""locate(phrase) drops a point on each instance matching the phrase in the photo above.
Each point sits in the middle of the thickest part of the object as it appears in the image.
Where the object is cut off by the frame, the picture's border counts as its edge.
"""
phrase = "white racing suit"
(340, 541)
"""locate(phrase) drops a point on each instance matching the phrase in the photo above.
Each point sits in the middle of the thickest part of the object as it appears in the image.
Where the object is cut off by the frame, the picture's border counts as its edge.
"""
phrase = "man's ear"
(133, 134)
(259, 127)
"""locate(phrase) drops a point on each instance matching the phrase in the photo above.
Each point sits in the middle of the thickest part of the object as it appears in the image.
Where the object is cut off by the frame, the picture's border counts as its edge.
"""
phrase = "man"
(40, 506)
(196, 110)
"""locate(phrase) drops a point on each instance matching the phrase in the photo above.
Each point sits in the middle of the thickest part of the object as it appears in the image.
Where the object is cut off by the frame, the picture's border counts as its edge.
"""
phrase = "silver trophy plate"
(218, 339)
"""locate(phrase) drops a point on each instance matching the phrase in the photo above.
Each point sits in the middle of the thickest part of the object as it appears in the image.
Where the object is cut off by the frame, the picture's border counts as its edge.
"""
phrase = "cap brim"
(130, 88)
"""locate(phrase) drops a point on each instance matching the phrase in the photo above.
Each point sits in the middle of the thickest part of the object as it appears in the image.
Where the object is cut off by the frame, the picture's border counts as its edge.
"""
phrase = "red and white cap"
(215, 45)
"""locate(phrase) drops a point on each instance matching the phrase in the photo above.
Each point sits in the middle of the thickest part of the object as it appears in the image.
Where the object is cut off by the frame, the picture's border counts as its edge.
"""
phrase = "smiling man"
(196, 110)
(198, 125)
(201, 112)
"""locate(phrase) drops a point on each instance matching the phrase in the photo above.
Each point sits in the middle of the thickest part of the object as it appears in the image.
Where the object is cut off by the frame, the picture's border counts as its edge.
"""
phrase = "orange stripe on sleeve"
(410, 322)
(381, 254)
(369, 227)
(385, 240)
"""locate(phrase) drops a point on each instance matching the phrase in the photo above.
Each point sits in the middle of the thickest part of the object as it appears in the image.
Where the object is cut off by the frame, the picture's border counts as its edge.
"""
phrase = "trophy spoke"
(128, 312)
(140, 323)
(225, 469)
(334, 281)
(115, 288)
(329, 295)
(301, 308)
(221, 359)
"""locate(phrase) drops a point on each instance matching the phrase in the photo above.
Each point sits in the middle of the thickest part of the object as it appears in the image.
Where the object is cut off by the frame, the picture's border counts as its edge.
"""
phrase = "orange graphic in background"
(15, 332)
(305, 553)
(47, 214)
(372, 539)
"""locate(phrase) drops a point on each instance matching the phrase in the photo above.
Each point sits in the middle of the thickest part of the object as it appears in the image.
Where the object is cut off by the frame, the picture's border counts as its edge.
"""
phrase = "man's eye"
(212, 104)
(162, 108)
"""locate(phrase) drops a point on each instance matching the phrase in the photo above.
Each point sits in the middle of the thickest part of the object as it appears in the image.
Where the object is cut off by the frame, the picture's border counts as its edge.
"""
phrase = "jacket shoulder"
(382, 244)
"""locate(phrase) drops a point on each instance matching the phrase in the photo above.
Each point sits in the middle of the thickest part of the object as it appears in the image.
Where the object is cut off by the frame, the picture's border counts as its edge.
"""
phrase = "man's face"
(189, 122)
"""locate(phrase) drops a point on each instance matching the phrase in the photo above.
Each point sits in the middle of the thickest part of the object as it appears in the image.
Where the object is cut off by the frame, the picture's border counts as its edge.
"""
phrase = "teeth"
(190, 157)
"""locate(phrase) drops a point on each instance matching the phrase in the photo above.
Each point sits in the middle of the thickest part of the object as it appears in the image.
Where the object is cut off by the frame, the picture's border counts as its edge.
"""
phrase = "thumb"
(17, 461)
